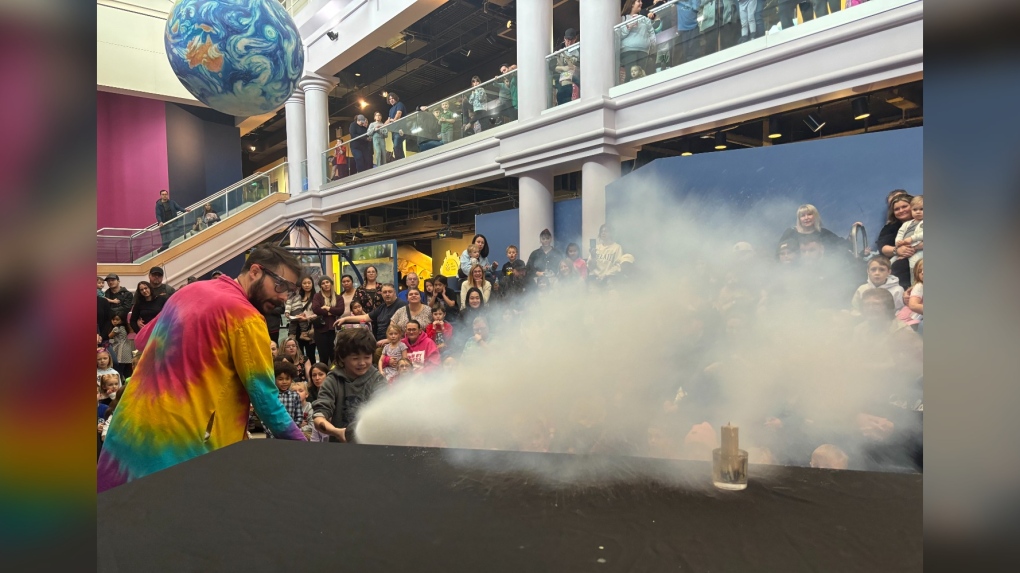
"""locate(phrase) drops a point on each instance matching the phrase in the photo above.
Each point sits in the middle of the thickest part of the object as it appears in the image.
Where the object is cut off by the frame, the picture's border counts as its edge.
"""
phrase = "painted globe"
(240, 57)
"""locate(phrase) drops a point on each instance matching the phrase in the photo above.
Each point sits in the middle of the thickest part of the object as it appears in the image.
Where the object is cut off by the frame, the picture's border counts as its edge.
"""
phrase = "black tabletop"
(268, 505)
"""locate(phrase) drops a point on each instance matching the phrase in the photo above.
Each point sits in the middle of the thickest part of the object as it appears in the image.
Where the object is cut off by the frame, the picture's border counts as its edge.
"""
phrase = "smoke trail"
(697, 334)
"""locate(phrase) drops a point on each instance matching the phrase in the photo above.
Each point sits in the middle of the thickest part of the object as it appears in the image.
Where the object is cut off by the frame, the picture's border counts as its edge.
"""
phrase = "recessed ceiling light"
(357, 75)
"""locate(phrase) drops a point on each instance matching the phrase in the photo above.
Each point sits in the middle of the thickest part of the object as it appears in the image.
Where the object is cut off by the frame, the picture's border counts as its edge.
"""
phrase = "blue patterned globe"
(240, 57)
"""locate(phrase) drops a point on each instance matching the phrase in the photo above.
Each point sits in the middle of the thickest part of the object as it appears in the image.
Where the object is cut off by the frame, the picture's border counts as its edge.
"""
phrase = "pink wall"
(131, 159)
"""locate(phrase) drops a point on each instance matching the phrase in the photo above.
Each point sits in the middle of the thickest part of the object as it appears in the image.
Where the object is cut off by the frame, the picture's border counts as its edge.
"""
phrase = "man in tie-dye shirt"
(202, 361)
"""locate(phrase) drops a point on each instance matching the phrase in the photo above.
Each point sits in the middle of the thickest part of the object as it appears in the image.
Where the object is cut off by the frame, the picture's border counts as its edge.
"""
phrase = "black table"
(268, 505)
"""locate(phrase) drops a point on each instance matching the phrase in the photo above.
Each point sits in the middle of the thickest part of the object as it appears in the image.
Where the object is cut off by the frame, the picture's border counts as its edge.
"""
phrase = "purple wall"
(131, 159)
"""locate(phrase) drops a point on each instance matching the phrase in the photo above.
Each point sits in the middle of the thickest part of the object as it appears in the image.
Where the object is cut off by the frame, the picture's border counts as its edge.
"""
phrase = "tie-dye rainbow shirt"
(202, 359)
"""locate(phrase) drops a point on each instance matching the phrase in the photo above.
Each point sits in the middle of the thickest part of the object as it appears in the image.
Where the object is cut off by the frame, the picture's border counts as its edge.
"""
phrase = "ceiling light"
(363, 104)
(332, 35)
(860, 107)
(509, 24)
(251, 147)
(774, 130)
(357, 75)
(813, 123)
(465, 53)
(685, 148)
(720, 140)
(385, 93)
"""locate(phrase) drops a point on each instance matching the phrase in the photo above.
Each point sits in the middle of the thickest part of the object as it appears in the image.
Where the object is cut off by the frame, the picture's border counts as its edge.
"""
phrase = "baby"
(473, 254)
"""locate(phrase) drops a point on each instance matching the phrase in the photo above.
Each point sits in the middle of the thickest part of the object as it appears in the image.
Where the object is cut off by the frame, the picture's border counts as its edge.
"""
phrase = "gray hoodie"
(340, 397)
(892, 284)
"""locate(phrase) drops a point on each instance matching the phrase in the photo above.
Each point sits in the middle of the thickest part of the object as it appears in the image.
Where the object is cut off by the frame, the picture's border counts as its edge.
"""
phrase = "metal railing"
(460, 115)
(681, 31)
(122, 245)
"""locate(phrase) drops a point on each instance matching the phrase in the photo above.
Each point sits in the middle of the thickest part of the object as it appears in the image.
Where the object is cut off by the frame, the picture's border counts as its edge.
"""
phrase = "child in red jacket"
(440, 331)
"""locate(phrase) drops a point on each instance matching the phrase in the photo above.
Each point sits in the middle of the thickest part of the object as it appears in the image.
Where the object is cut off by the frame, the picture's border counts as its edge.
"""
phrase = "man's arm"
(254, 366)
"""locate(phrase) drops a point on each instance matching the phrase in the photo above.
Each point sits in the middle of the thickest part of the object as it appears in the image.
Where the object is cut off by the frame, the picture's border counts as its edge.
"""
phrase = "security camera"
(332, 35)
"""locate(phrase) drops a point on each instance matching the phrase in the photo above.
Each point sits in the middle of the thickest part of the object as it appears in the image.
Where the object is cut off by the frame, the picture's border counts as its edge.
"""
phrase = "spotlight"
(774, 129)
(685, 149)
(251, 147)
(363, 104)
(332, 35)
(720, 140)
(860, 107)
(357, 74)
(813, 123)
(385, 93)
(509, 24)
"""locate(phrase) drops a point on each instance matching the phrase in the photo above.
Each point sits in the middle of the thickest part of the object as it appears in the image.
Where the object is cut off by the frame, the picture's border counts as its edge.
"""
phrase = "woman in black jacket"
(146, 306)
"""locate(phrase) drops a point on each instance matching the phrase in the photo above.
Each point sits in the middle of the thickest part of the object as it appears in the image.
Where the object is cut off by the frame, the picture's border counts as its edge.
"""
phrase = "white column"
(598, 46)
(536, 208)
(296, 151)
(316, 90)
(596, 173)
(534, 43)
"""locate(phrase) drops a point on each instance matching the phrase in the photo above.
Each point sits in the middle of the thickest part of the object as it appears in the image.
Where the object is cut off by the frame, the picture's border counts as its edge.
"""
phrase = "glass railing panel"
(564, 67)
(118, 246)
(679, 31)
(474, 110)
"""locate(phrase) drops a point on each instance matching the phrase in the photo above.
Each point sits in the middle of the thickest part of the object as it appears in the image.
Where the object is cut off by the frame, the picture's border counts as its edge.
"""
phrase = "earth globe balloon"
(239, 57)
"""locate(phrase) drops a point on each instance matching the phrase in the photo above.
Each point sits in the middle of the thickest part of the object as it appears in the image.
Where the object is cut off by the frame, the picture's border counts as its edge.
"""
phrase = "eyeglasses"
(282, 285)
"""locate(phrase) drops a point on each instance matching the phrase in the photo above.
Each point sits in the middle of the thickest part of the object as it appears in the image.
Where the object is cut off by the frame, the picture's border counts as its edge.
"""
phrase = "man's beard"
(256, 299)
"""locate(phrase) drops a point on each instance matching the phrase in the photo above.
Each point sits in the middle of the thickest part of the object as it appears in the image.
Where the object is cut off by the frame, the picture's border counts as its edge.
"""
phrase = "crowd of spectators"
(484, 105)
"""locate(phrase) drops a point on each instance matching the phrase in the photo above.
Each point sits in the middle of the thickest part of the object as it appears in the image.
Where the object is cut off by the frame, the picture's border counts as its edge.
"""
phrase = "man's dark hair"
(394, 96)
(545, 233)
(354, 341)
(272, 257)
(285, 367)
(412, 321)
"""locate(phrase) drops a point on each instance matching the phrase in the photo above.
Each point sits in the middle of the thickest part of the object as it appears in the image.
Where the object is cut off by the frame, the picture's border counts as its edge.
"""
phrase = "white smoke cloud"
(695, 335)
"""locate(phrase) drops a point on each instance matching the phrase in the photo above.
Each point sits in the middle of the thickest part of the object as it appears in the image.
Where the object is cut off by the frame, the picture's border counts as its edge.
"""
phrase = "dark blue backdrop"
(846, 178)
(503, 228)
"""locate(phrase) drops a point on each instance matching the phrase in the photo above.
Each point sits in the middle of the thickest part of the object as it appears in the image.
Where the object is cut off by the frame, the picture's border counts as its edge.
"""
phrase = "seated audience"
(421, 350)
(394, 350)
(809, 227)
(439, 330)
(476, 280)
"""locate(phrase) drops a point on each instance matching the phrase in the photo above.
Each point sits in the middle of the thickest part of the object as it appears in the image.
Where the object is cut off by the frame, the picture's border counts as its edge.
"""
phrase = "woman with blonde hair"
(809, 228)
(476, 279)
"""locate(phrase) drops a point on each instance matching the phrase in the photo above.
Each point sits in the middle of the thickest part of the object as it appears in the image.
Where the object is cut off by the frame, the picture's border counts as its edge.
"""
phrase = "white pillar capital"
(314, 82)
(297, 97)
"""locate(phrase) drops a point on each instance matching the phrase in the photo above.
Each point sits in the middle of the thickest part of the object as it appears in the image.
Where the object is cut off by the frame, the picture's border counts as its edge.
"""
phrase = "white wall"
(130, 57)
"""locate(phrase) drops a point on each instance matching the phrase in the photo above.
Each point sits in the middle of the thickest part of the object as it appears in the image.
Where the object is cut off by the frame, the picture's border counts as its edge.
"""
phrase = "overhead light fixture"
(357, 74)
(385, 93)
(251, 147)
(685, 148)
(465, 53)
(509, 24)
(332, 35)
(720, 140)
(813, 123)
(774, 130)
(363, 104)
(860, 107)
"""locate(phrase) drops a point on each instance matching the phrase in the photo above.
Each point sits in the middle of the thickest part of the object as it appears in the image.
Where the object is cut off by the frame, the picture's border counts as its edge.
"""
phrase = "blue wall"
(846, 178)
(503, 228)
(203, 152)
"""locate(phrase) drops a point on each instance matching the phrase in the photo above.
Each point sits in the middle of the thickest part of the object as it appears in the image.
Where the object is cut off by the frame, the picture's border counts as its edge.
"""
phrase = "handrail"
(214, 196)
(574, 46)
(623, 24)
(341, 142)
